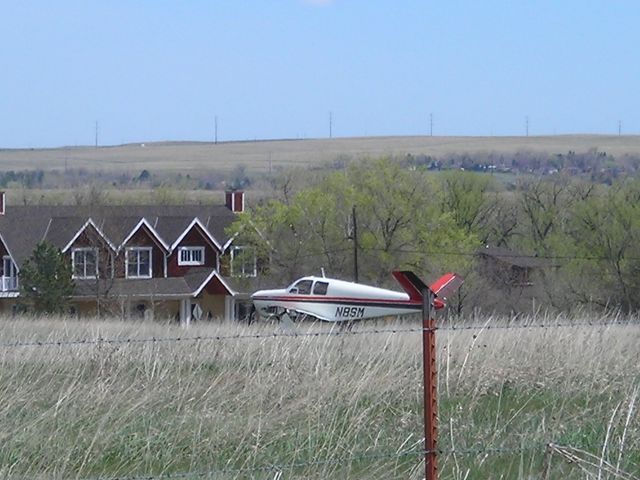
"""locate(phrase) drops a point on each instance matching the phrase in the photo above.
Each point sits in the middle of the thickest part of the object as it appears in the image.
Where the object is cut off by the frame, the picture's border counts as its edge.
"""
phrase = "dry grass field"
(260, 156)
(318, 407)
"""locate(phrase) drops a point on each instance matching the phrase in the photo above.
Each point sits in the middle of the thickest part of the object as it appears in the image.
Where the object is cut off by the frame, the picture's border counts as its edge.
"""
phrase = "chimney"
(234, 200)
(2, 203)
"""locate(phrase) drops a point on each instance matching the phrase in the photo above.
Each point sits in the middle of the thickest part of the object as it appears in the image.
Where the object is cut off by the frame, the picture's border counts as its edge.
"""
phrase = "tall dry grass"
(346, 406)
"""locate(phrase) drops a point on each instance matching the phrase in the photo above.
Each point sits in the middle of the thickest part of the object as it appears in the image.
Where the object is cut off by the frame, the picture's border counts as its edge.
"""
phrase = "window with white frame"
(138, 262)
(191, 256)
(9, 274)
(84, 262)
(243, 262)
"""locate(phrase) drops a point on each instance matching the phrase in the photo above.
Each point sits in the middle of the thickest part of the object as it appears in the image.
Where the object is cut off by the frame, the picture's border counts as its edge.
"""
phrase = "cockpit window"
(320, 288)
(303, 287)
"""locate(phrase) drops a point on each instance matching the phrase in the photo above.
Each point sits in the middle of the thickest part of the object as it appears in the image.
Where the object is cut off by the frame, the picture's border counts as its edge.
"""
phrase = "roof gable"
(89, 223)
(196, 223)
(23, 226)
(214, 279)
(144, 224)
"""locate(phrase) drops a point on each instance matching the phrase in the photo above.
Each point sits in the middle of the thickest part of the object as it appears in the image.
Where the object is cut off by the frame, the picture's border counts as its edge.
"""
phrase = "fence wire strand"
(365, 456)
(315, 333)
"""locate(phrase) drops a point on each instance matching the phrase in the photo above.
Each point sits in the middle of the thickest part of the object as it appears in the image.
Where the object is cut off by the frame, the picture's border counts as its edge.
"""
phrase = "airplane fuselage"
(334, 300)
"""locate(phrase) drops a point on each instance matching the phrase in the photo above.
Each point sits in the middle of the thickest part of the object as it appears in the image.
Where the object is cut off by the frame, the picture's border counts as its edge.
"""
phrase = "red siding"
(215, 287)
(234, 199)
(90, 237)
(142, 238)
(194, 238)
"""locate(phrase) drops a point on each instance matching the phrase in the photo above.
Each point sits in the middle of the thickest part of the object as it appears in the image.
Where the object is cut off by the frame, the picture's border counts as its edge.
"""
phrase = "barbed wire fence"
(584, 461)
(357, 457)
(332, 332)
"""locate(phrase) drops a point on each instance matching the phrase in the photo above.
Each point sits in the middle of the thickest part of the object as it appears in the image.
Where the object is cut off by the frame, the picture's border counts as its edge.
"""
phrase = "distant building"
(513, 280)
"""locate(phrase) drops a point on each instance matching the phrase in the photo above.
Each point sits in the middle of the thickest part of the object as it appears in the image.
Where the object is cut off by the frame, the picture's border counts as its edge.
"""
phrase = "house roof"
(23, 226)
(117, 228)
(514, 258)
(61, 230)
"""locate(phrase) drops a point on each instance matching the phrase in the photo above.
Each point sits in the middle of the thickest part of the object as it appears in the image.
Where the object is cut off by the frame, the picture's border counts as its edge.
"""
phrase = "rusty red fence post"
(430, 388)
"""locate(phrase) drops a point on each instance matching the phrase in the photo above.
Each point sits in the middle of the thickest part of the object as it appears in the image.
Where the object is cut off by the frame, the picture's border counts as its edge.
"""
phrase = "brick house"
(159, 261)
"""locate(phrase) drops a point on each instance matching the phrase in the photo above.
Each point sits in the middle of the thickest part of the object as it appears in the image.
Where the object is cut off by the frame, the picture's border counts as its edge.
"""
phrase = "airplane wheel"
(295, 316)
(298, 317)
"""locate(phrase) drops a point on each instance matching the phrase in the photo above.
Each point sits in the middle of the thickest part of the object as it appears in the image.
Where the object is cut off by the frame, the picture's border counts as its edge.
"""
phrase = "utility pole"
(96, 134)
(526, 125)
(431, 124)
(215, 135)
(330, 124)
(619, 127)
(355, 244)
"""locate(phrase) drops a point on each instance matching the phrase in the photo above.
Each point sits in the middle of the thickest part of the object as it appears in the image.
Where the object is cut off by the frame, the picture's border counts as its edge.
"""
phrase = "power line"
(463, 254)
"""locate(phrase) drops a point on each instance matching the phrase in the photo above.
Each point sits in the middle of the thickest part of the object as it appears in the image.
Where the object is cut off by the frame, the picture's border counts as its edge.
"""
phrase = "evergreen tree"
(46, 279)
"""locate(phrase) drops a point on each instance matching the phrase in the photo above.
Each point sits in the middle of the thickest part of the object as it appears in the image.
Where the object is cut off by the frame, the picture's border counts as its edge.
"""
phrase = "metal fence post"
(430, 387)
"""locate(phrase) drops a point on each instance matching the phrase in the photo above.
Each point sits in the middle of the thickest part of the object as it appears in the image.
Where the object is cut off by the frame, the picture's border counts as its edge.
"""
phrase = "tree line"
(586, 235)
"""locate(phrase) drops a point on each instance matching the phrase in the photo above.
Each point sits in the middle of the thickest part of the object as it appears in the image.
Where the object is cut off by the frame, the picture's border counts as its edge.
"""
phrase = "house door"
(9, 275)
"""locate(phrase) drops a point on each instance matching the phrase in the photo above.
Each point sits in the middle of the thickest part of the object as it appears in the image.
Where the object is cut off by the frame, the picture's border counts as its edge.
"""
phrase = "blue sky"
(152, 70)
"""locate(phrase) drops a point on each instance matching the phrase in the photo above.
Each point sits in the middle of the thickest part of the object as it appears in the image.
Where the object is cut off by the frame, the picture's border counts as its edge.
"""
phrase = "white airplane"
(334, 300)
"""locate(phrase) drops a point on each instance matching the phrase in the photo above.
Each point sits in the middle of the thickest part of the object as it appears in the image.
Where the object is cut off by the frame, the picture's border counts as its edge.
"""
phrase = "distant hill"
(270, 154)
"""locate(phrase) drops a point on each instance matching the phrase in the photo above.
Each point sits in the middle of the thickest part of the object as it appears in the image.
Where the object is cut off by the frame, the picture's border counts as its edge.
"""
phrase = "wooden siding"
(91, 238)
(142, 238)
(194, 238)
(215, 287)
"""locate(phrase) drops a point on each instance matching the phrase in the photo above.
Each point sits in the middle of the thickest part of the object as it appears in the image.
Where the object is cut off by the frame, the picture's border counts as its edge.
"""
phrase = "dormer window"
(138, 262)
(243, 262)
(190, 256)
(85, 263)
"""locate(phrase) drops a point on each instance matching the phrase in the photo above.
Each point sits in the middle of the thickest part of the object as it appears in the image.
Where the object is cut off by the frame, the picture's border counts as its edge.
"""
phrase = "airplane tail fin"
(446, 284)
(414, 286)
